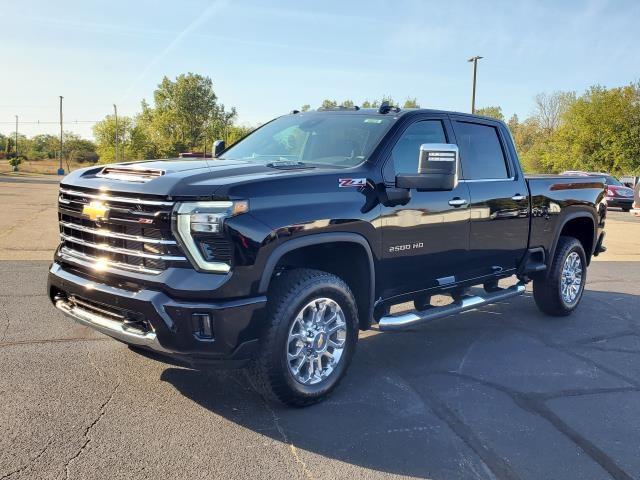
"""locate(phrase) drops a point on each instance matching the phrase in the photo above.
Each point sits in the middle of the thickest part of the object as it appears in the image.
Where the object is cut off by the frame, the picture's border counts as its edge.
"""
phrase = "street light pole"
(115, 112)
(60, 169)
(473, 92)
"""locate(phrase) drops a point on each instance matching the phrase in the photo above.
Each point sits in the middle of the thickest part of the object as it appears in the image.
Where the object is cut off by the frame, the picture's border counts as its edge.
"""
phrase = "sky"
(267, 58)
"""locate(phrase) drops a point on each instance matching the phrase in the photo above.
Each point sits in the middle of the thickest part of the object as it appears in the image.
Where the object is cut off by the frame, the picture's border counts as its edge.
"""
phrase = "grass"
(41, 167)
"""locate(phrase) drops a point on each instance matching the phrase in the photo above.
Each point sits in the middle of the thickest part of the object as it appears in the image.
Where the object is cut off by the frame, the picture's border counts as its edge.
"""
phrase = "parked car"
(630, 180)
(618, 195)
(275, 254)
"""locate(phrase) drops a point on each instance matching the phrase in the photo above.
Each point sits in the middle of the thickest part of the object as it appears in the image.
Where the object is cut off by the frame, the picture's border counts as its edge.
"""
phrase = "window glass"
(610, 180)
(340, 140)
(481, 154)
(406, 151)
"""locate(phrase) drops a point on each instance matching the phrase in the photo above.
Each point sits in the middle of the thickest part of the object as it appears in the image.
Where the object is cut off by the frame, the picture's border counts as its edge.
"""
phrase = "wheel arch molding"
(566, 220)
(362, 283)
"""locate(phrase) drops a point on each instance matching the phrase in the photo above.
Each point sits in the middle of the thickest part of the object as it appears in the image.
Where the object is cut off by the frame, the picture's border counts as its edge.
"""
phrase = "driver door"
(425, 242)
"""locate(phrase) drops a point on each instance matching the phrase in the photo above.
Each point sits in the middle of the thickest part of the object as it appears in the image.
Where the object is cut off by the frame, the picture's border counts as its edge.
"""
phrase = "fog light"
(203, 326)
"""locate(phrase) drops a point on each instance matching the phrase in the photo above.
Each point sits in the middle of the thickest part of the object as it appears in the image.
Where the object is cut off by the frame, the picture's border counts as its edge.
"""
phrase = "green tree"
(493, 112)
(43, 146)
(326, 103)
(133, 142)
(347, 104)
(12, 150)
(376, 103)
(78, 149)
(185, 116)
(305, 108)
(531, 143)
(599, 131)
(236, 132)
(411, 103)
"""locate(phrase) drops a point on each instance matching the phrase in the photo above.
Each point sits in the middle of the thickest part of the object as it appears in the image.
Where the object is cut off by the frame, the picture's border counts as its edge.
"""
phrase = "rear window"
(481, 153)
(609, 180)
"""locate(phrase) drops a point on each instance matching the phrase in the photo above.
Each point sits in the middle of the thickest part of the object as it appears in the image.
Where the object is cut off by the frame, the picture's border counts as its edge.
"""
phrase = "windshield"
(609, 180)
(340, 140)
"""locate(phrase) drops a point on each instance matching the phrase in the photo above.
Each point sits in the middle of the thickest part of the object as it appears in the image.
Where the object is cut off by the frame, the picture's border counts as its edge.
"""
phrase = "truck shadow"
(462, 397)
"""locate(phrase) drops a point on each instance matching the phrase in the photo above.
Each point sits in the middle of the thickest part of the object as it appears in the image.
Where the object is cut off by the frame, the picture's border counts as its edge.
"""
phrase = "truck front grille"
(112, 230)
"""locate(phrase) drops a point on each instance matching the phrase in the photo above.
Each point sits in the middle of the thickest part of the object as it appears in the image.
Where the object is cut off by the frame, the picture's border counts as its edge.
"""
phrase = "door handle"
(457, 202)
(518, 198)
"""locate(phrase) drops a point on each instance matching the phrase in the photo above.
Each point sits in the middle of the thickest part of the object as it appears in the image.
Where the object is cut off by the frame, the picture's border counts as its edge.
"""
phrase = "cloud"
(215, 7)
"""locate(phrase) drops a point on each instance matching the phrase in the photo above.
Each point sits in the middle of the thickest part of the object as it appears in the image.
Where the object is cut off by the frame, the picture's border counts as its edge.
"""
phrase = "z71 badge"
(352, 182)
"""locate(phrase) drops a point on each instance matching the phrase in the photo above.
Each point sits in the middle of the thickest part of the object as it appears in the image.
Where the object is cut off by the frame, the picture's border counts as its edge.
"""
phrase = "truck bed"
(554, 197)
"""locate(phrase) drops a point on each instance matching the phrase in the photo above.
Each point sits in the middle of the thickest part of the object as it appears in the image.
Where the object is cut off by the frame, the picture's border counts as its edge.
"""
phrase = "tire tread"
(546, 291)
(265, 376)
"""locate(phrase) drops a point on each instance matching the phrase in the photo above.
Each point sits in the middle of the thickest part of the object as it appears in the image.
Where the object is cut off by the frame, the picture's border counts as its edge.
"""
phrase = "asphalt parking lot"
(501, 392)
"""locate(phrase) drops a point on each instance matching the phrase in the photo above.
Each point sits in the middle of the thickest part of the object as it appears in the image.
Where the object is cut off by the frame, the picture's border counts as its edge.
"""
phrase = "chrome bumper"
(109, 327)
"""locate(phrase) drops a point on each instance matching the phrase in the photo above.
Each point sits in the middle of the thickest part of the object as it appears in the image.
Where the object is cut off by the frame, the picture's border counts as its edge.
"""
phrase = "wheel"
(559, 293)
(310, 338)
(626, 209)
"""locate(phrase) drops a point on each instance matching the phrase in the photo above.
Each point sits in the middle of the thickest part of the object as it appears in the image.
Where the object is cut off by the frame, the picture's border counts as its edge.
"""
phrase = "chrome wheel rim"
(571, 282)
(316, 342)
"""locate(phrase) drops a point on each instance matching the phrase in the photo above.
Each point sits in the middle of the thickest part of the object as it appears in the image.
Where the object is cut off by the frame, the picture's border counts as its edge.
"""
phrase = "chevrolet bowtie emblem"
(96, 211)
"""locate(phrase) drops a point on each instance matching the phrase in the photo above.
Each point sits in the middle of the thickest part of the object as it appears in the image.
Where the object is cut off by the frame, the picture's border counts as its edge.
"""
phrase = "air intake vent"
(130, 174)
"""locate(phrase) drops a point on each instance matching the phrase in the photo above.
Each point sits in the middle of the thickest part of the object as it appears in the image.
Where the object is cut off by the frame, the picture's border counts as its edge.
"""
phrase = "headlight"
(196, 222)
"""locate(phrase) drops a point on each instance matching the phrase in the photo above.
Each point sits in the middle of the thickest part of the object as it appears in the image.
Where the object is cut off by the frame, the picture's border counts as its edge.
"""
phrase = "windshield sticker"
(372, 120)
(352, 182)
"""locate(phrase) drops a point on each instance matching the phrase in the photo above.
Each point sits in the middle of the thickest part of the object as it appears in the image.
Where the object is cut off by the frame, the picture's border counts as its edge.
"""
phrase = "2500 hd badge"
(408, 246)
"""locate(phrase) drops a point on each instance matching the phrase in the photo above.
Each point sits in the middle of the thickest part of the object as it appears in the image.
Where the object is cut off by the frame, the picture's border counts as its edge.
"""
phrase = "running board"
(411, 319)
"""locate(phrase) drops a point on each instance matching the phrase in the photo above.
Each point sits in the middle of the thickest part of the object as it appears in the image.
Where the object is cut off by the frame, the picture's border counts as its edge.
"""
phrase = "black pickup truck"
(278, 251)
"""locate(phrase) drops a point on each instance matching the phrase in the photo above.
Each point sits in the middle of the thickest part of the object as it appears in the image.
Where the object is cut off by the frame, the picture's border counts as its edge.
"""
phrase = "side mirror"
(218, 148)
(437, 169)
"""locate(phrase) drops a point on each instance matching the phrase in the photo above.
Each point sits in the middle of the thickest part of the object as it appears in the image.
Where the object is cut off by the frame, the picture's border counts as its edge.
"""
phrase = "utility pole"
(16, 147)
(473, 93)
(115, 112)
(60, 169)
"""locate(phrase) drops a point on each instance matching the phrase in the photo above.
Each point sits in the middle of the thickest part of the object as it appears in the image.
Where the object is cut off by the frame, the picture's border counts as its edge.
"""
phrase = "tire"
(548, 291)
(296, 298)
(626, 209)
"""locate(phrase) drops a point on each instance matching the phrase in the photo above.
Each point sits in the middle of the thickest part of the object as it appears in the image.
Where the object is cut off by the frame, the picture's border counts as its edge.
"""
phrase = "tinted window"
(406, 151)
(609, 180)
(480, 151)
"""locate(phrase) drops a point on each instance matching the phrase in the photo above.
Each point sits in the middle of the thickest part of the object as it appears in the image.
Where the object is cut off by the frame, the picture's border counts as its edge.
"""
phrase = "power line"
(56, 122)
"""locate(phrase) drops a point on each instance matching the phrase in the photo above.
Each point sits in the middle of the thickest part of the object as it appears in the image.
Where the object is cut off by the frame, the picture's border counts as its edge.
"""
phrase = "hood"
(175, 177)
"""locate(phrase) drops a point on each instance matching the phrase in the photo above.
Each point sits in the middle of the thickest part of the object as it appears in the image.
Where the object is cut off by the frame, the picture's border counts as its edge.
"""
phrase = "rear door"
(499, 226)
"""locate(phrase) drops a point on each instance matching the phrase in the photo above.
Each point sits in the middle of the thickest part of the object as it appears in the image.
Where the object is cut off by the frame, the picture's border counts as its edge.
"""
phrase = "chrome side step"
(411, 319)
